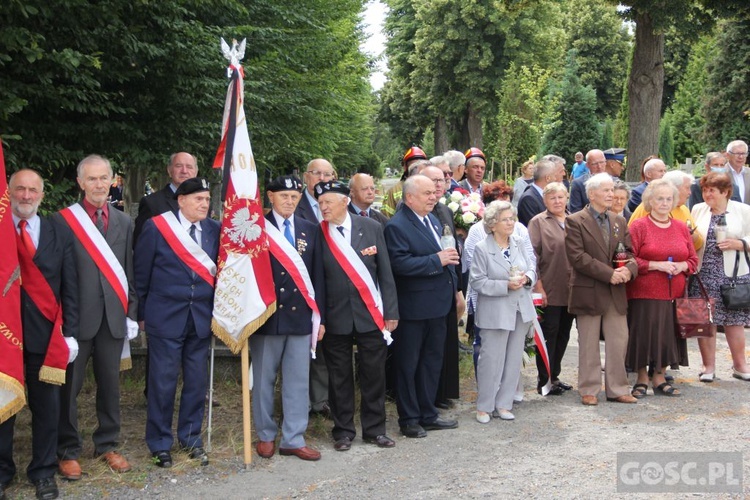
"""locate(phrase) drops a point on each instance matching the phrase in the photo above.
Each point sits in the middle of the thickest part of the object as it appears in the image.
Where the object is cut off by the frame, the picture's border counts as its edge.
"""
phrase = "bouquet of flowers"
(467, 208)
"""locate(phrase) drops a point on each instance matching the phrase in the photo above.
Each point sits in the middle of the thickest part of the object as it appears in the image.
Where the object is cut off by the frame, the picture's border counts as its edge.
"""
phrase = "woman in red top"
(665, 254)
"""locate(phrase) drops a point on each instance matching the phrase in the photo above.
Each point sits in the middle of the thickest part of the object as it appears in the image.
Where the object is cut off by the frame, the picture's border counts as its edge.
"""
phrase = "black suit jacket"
(293, 316)
(578, 196)
(305, 210)
(154, 204)
(530, 204)
(55, 259)
(345, 310)
(374, 215)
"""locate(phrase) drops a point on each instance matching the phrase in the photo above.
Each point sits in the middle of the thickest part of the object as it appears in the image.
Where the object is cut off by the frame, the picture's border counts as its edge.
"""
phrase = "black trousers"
(371, 373)
(44, 403)
(448, 387)
(556, 324)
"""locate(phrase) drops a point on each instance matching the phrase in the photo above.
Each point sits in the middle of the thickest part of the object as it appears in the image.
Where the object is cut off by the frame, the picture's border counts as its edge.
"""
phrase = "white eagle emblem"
(288, 183)
(243, 228)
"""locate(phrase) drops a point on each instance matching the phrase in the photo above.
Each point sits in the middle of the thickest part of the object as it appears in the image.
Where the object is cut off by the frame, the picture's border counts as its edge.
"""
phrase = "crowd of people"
(394, 283)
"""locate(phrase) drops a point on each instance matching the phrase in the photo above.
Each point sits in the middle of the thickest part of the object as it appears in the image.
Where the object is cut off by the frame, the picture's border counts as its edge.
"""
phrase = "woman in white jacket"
(716, 261)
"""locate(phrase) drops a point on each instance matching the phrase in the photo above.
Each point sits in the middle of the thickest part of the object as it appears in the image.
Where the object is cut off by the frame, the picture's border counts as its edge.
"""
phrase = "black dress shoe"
(440, 424)
(382, 441)
(413, 431)
(343, 444)
(445, 404)
(162, 459)
(324, 411)
(46, 488)
(198, 453)
(2, 491)
(555, 390)
(563, 385)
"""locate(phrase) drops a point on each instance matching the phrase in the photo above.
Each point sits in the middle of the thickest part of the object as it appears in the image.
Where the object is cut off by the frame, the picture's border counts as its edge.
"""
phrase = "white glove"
(72, 348)
(132, 328)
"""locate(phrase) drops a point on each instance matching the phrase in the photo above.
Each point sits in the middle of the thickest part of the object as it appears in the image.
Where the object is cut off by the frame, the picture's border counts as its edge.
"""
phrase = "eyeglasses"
(438, 181)
(449, 173)
(322, 175)
(507, 219)
(742, 153)
(664, 200)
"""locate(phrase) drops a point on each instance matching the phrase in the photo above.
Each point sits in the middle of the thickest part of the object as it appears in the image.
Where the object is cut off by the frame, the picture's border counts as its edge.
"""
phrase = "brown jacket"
(591, 261)
(548, 240)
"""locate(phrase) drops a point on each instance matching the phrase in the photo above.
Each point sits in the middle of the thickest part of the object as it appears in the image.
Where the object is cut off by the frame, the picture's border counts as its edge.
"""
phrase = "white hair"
(595, 182)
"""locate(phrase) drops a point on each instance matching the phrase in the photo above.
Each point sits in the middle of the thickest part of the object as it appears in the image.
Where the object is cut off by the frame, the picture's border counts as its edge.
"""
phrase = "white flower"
(456, 196)
(475, 197)
(473, 207)
(442, 200)
(453, 206)
(469, 218)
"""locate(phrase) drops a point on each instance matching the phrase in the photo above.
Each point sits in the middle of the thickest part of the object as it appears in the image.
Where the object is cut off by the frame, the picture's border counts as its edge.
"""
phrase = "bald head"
(437, 177)
(596, 161)
(362, 190)
(654, 169)
(318, 170)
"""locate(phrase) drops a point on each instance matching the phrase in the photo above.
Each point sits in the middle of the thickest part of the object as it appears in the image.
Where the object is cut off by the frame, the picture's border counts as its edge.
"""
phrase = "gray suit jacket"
(345, 310)
(496, 304)
(97, 299)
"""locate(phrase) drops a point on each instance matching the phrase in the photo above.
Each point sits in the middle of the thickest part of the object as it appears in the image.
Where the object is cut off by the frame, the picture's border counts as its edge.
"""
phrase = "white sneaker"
(483, 417)
(505, 415)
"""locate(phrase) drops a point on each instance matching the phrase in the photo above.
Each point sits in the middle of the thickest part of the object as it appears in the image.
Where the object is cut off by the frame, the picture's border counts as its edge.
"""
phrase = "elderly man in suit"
(362, 195)
(653, 169)
(531, 201)
(457, 164)
(737, 157)
(426, 283)
(714, 162)
(46, 257)
(361, 308)
(596, 162)
(597, 292)
(182, 166)
(283, 342)
(318, 170)
(108, 309)
(175, 267)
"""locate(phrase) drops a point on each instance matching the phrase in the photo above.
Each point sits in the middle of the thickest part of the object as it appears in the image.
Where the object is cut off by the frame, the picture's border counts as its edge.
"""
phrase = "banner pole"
(246, 424)
(210, 393)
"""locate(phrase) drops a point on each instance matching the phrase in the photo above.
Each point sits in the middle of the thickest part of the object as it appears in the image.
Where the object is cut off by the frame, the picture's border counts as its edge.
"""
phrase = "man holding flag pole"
(245, 297)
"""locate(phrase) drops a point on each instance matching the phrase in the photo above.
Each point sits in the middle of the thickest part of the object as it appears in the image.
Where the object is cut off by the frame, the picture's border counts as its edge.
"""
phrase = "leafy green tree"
(576, 127)
(603, 44)
(666, 143)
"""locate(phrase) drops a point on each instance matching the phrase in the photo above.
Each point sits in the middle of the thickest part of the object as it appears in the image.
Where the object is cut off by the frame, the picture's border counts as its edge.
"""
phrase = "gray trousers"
(499, 366)
(292, 354)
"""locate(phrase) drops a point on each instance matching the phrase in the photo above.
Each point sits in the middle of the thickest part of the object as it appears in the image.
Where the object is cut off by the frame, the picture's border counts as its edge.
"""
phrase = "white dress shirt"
(33, 227)
(186, 224)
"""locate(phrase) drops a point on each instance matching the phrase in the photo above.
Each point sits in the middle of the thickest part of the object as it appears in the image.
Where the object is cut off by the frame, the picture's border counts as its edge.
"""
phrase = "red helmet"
(413, 153)
(474, 153)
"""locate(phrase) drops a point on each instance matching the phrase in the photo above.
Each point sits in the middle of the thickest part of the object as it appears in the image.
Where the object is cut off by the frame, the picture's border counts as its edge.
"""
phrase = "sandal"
(639, 391)
(666, 389)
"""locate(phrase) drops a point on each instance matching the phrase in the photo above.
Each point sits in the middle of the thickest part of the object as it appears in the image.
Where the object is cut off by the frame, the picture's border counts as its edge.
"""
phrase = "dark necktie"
(99, 222)
(341, 230)
(192, 233)
(604, 227)
(288, 232)
(427, 224)
(28, 243)
(363, 213)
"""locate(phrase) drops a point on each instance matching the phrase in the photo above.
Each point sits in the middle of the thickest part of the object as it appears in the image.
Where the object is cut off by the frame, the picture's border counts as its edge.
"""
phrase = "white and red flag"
(12, 397)
(245, 296)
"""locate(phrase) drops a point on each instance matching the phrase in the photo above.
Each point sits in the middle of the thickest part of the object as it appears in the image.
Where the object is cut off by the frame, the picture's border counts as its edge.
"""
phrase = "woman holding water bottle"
(502, 275)
(664, 251)
(724, 224)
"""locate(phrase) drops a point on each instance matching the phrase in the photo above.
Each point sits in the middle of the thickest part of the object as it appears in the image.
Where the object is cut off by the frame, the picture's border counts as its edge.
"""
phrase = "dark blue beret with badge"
(285, 183)
(193, 185)
(322, 188)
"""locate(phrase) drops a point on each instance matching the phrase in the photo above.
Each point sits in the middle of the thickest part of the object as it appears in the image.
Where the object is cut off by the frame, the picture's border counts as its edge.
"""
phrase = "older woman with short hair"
(547, 233)
(716, 260)
(502, 275)
(664, 252)
(520, 184)
(620, 200)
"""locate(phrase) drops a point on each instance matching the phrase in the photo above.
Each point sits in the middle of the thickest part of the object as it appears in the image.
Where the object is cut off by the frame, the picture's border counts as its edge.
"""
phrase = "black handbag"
(737, 295)
(693, 317)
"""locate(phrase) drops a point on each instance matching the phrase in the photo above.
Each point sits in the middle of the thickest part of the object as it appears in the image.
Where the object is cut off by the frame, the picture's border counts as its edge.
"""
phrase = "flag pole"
(246, 421)
(210, 394)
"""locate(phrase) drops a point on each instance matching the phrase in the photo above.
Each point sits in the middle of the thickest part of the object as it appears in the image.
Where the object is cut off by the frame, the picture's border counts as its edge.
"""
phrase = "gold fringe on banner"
(55, 376)
(13, 386)
(235, 345)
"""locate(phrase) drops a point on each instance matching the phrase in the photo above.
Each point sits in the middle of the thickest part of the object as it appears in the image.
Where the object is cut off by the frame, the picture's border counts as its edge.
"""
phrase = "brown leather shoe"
(265, 449)
(304, 453)
(589, 400)
(69, 469)
(116, 462)
(625, 398)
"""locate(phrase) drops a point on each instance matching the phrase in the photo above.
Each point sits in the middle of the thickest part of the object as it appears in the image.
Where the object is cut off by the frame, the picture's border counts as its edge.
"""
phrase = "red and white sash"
(358, 274)
(98, 249)
(187, 250)
(288, 257)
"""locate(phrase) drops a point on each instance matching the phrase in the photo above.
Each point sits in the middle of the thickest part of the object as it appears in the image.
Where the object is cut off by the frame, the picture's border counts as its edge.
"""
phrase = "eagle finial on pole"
(234, 54)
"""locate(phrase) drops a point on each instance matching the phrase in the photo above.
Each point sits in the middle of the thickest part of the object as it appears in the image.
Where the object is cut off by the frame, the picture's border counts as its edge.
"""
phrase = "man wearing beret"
(175, 267)
(284, 341)
(361, 308)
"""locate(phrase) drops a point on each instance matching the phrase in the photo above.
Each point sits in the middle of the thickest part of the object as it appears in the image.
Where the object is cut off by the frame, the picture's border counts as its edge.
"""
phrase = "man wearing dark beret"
(175, 268)
(361, 308)
(283, 342)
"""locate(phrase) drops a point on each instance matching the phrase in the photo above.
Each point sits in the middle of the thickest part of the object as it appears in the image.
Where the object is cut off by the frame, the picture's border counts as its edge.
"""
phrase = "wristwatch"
(527, 283)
